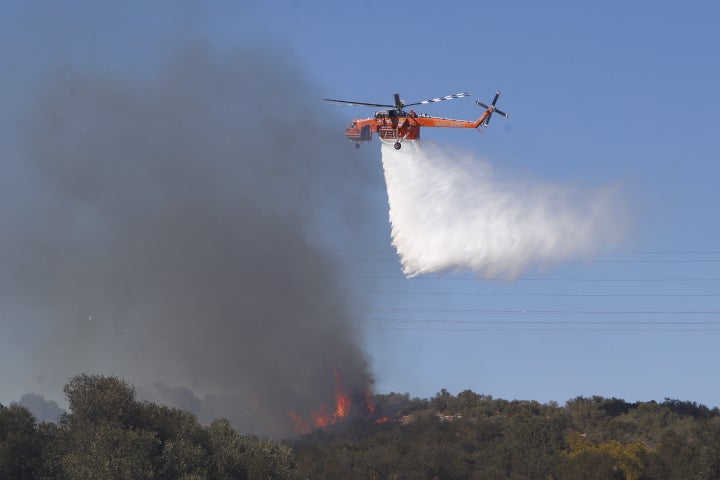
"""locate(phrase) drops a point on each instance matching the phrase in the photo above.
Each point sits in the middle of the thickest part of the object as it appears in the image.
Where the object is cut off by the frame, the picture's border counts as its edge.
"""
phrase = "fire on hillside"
(345, 406)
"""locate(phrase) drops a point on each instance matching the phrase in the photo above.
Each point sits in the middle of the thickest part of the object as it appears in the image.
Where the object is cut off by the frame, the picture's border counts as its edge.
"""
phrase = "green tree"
(184, 443)
(95, 399)
(267, 460)
(20, 448)
(102, 434)
(227, 457)
(53, 446)
(690, 455)
(530, 445)
(107, 452)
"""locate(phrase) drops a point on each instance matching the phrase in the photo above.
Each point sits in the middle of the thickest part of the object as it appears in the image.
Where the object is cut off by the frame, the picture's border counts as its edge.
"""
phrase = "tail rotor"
(491, 109)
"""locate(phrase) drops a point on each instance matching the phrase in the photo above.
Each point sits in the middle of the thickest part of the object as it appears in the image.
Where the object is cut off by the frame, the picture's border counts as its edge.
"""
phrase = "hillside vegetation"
(109, 434)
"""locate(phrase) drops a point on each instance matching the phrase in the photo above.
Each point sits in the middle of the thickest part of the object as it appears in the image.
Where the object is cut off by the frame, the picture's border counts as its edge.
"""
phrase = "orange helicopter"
(395, 124)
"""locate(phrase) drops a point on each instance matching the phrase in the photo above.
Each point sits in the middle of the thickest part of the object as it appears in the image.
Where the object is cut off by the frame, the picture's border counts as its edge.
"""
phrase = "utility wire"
(540, 294)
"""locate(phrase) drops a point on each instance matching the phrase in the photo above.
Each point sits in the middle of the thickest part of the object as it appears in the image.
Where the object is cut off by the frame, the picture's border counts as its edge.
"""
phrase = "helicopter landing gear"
(397, 145)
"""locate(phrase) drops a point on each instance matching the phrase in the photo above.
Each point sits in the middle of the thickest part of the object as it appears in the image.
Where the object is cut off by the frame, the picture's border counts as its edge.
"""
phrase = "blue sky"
(598, 93)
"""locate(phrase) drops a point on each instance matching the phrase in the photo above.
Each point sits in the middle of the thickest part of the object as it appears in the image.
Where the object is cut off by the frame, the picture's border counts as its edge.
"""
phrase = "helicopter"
(394, 125)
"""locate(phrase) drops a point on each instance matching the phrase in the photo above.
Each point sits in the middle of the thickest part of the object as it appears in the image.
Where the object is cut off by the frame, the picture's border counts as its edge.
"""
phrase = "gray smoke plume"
(43, 410)
(173, 240)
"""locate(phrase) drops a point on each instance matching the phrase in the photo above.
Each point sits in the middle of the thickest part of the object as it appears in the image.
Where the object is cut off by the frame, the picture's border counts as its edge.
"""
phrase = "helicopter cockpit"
(390, 114)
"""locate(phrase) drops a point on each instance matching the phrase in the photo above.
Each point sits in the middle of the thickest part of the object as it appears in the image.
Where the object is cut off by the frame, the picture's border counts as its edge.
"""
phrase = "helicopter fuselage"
(401, 125)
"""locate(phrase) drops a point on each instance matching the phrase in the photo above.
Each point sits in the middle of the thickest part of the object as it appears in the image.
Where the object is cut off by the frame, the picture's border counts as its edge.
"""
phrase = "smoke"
(43, 410)
(169, 236)
(451, 212)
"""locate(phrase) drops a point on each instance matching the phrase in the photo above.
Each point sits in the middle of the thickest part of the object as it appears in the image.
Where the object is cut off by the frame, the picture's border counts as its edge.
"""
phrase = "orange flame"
(322, 417)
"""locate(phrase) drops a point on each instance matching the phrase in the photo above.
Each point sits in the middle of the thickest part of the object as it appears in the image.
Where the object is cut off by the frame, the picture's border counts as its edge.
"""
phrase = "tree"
(96, 398)
(630, 459)
(265, 459)
(184, 444)
(589, 465)
(530, 445)
(692, 455)
(109, 452)
(20, 452)
(226, 460)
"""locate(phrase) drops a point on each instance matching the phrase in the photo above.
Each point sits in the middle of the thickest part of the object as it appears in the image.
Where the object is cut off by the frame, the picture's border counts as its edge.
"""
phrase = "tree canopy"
(109, 434)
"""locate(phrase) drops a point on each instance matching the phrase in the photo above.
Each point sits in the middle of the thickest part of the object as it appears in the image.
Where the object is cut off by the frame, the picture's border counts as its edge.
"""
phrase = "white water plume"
(451, 212)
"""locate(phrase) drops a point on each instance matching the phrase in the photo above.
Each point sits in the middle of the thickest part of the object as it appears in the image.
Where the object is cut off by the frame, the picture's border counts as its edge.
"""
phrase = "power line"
(548, 322)
(493, 311)
(389, 251)
(510, 325)
(586, 261)
(678, 329)
(540, 294)
(539, 279)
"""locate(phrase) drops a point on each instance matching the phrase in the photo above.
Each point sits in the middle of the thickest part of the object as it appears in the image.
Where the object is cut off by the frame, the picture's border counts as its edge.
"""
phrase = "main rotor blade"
(360, 104)
(440, 99)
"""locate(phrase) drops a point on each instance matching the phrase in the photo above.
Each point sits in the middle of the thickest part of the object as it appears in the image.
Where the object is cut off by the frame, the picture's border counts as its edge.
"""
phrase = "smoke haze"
(172, 243)
(451, 212)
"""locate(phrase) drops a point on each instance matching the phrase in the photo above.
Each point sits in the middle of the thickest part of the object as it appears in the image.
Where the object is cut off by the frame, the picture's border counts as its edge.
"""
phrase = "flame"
(343, 405)
(323, 416)
(342, 400)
